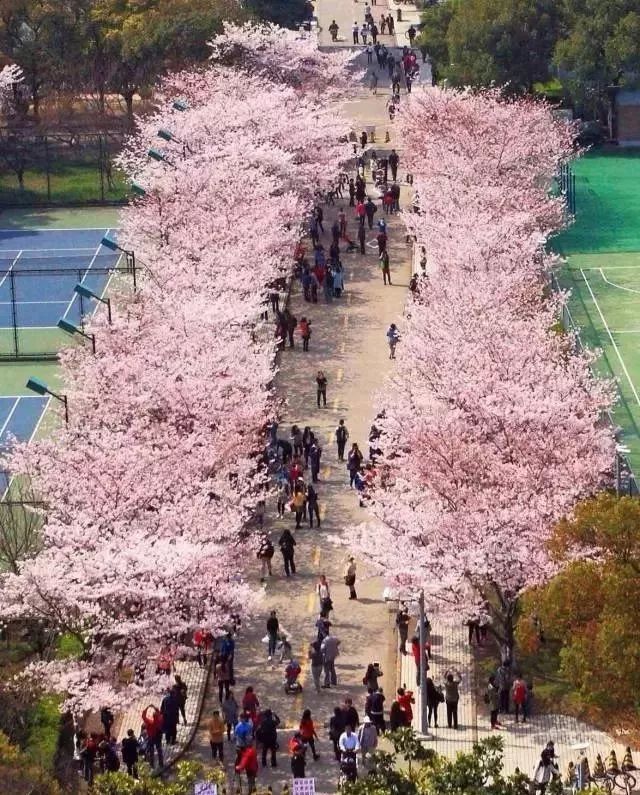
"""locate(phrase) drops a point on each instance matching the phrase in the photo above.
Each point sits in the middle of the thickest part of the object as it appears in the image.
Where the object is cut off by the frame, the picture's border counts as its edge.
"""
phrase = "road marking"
(326, 471)
(613, 342)
(311, 601)
(334, 405)
(317, 551)
(339, 374)
(343, 347)
(345, 320)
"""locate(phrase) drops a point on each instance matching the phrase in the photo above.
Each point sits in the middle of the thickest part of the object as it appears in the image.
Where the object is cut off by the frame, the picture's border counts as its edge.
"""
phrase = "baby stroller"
(348, 768)
(291, 673)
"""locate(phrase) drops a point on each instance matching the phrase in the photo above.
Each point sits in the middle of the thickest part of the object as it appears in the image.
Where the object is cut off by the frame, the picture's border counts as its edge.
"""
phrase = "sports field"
(43, 256)
(603, 273)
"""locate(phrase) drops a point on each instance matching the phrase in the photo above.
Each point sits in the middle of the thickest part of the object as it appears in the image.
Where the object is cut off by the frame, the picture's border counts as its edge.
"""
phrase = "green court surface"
(14, 375)
(603, 273)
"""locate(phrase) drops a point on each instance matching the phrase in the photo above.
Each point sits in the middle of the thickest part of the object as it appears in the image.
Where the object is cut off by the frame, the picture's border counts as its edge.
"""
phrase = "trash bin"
(399, 13)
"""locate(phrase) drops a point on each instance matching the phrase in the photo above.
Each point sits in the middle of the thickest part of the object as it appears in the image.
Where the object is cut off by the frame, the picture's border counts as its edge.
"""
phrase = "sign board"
(205, 788)
(304, 786)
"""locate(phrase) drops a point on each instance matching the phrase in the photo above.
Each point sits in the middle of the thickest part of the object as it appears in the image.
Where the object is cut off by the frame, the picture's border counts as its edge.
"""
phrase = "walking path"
(349, 344)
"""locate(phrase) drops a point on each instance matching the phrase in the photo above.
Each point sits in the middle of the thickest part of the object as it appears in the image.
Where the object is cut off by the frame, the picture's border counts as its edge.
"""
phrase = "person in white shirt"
(348, 741)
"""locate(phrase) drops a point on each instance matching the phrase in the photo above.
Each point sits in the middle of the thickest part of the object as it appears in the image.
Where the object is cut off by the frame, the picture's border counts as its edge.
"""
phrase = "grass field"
(69, 183)
(603, 274)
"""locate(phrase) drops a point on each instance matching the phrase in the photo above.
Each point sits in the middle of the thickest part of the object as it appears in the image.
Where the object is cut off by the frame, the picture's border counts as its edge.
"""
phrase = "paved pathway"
(349, 344)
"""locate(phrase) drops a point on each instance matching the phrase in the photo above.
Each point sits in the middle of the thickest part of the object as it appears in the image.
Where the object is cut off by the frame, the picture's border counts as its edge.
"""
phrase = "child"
(284, 647)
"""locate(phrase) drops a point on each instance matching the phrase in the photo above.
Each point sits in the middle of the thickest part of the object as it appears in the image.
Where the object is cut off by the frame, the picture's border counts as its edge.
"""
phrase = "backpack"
(341, 434)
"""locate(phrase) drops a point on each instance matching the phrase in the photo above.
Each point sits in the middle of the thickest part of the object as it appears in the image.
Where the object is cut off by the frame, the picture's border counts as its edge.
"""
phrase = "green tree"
(591, 607)
(20, 776)
(286, 13)
(186, 774)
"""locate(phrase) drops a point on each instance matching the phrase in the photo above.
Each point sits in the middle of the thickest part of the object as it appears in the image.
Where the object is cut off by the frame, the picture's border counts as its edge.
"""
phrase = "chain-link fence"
(60, 168)
(34, 300)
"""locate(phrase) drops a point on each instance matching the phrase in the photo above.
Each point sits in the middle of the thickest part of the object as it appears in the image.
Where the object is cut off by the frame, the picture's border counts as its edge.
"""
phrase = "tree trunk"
(128, 98)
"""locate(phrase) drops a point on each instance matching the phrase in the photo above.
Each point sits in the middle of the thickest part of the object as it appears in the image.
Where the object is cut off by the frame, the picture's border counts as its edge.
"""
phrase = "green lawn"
(69, 183)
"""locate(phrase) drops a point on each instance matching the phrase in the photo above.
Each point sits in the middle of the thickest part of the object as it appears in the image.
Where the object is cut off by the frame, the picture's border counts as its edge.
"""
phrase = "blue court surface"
(19, 419)
(31, 265)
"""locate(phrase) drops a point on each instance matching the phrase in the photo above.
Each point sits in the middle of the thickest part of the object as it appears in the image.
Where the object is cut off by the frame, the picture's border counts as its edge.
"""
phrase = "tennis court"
(603, 274)
(20, 417)
(39, 269)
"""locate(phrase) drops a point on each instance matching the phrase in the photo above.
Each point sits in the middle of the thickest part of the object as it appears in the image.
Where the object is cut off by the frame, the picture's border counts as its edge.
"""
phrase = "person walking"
(452, 697)
(273, 627)
(375, 709)
(364, 32)
(230, 712)
(381, 239)
(338, 280)
(324, 596)
(315, 455)
(297, 749)
(267, 735)
(222, 671)
(298, 502)
(503, 680)
(492, 700)
(370, 210)
(330, 649)
(519, 697)
(435, 697)
(216, 736)
(352, 198)
(180, 689)
(333, 30)
(321, 391)
(368, 738)
(354, 462)
(342, 435)
(384, 265)
(305, 332)
(391, 25)
(369, 50)
(284, 495)
(248, 764)
(312, 506)
(355, 31)
(373, 84)
(362, 238)
(287, 545)
(392, 339)
(308, 732)
(152, 720)
(402, 623)
(316, 662)
(374, 33)
(130, 754)
(342, 219)
(337, 724)
(394, 161)
(350, 577)
(265, 554)
(291, 324)
(170, 710)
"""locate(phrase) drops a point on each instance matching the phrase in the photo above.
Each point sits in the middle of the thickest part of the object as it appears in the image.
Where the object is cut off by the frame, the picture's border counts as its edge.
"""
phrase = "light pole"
(423, 666)
(621, 450)
(70, 328)
(40, 388)
(131, 261)
(85, 292)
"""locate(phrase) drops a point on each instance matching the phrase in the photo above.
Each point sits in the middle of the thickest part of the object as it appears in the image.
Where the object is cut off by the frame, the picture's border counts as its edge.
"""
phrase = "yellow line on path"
(343, 347)
(334, 404)
(325, 473)
(339, 374)
(317, 551)
(345, 320)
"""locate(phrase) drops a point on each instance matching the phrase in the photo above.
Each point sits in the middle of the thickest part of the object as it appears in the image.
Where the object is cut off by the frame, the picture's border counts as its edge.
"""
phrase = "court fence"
(27, 334)
(625, 479)
(60, 168)
(567, 184)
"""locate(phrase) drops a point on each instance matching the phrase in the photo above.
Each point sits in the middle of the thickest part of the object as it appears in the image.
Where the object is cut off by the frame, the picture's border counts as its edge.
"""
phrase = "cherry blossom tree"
(152, 485)
(492, 427)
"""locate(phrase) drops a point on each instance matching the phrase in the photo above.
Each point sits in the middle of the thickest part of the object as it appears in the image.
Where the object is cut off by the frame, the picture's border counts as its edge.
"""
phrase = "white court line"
(608, 267)
(6, 422)
(25, 230)
(33, 302)
(43, 250)
(33, 433)
(24, 328)
(21, 397)
(613, 342)
(626, 331)
(10, 269)
(618, 286)
(93, 259)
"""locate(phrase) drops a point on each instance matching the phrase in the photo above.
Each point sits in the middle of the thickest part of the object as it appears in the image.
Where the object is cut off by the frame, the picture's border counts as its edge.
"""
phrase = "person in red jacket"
(248, 764)
(405, 699)
(152, 720)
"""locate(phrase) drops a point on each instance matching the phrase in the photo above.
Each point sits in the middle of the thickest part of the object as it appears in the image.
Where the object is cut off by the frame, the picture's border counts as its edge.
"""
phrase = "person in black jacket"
(170, 709)
(130, 753)
(267, 734)
(106, 718)
(336, 727)
(180, 689)
(287, 543)
(273, 625)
